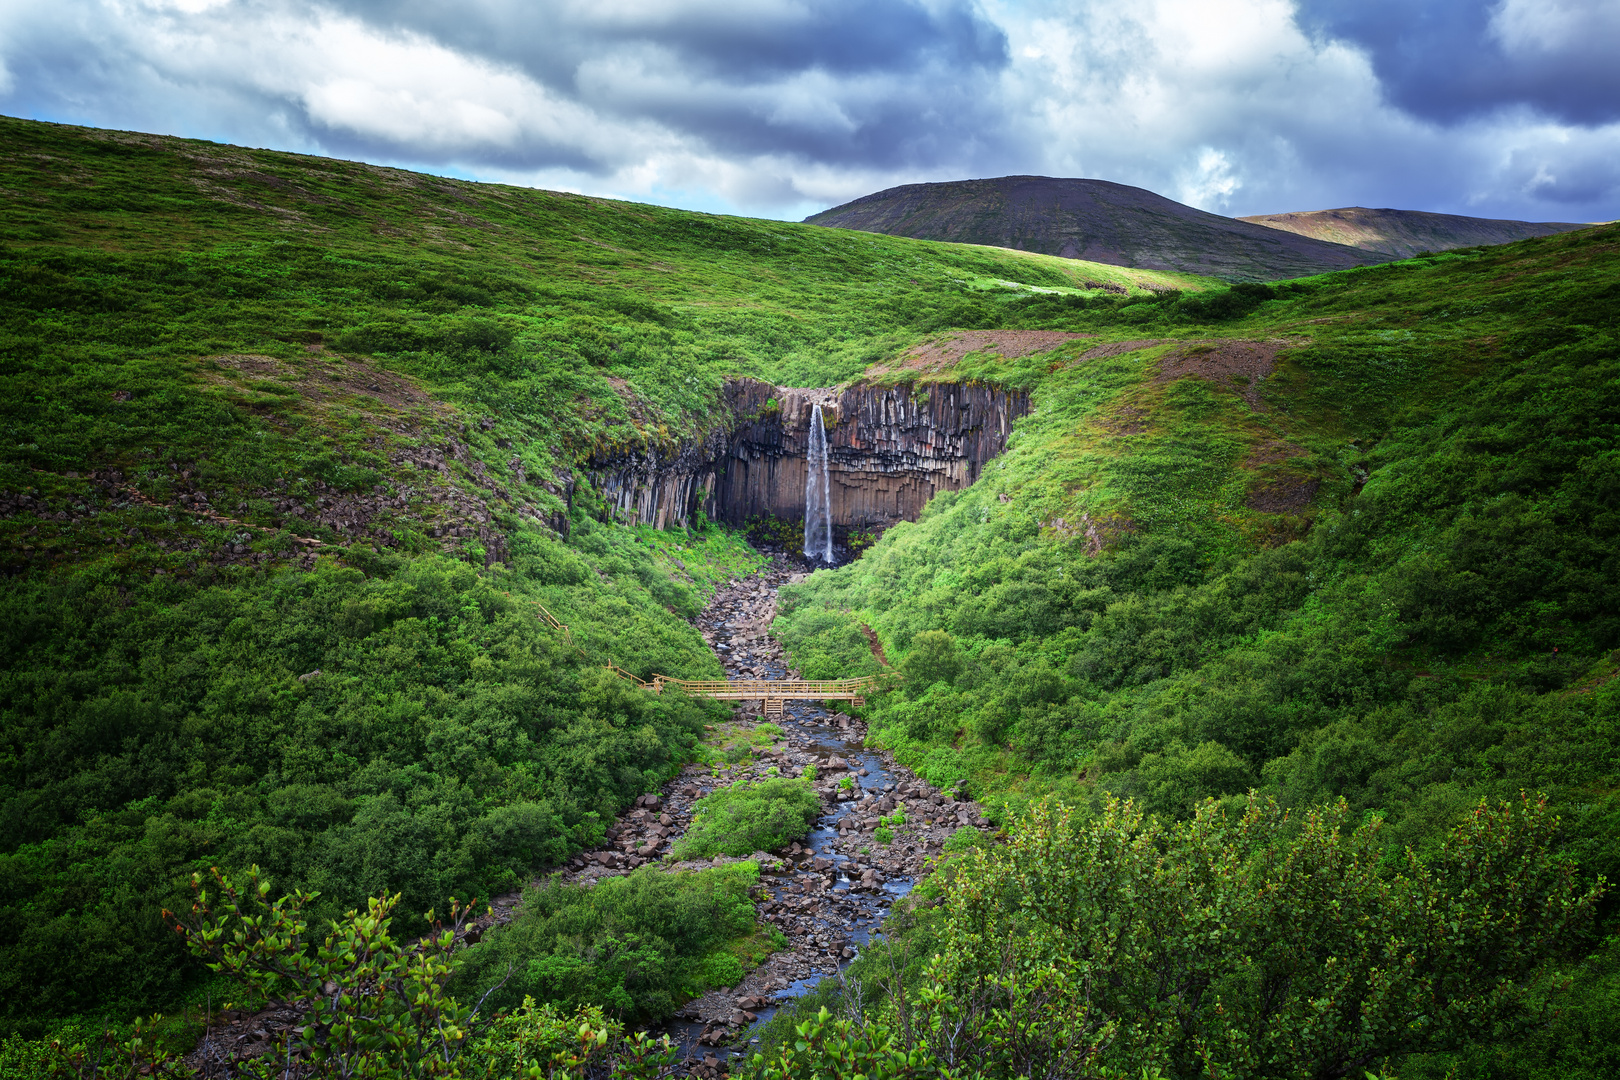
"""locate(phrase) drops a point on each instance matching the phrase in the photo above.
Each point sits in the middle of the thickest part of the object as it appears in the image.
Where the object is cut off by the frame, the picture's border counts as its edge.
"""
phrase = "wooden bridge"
(774, 692)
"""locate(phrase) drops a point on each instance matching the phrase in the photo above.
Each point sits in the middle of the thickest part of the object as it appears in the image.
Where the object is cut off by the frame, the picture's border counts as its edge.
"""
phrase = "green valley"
(296, 491)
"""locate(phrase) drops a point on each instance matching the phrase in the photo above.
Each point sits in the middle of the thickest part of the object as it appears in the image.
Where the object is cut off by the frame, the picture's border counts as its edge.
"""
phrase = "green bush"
(744, 818)
(933, 658)
(1254, 946)
(637, 945)
(966, 839)
(545, 1041)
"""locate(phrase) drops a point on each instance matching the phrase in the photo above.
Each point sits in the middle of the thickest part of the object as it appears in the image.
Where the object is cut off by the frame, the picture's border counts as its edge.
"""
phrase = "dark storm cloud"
(1448, 60)
(738, 43)
(894, 80)
(788, 106)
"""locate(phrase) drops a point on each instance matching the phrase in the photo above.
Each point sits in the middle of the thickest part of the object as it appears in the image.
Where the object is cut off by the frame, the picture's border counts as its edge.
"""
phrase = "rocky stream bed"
(826, 894)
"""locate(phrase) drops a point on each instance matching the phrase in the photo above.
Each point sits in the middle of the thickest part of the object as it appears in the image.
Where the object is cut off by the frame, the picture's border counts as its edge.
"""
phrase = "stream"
(827, 894)
(830, 892)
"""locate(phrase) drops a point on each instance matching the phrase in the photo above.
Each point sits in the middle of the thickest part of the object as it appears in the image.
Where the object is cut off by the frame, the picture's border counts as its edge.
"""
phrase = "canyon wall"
(890, 450)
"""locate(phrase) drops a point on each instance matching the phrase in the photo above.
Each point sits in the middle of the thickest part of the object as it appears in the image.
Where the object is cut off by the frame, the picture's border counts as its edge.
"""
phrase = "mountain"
(1405, 233)
(1096, 220)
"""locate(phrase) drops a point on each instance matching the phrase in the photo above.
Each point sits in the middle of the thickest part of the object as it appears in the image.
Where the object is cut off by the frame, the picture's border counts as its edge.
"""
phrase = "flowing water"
(818, 543)
(817, 899)
(818, 896)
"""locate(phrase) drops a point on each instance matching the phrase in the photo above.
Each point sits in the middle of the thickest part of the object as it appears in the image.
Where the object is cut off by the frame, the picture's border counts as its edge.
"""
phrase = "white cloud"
(1210, 183)
(1526, 27)
(782, 107)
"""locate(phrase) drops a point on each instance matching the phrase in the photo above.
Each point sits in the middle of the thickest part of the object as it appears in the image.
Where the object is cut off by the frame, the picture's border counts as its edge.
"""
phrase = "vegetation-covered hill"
(1372, 513)
(282, 442)
(278, 491)
(1361, 539)
(1405, 233)
(1092, 219)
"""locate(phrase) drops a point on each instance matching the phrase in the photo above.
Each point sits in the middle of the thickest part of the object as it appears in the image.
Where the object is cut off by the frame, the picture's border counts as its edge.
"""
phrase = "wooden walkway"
(773, 692)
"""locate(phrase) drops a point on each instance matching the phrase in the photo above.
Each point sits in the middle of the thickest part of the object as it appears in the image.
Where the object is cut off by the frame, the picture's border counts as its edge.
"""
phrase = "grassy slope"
(213, 356)
(1437, 623)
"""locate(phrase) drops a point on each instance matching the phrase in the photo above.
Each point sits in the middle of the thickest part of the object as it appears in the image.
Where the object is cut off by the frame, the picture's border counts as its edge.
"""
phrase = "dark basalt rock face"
(661, 487)
(890, 450)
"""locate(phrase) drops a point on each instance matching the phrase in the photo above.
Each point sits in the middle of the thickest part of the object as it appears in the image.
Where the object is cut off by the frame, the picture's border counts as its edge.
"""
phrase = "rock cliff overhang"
(891, 448)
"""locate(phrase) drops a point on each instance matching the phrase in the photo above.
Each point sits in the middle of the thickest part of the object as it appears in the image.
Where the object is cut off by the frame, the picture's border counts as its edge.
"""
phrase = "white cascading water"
(817, 496)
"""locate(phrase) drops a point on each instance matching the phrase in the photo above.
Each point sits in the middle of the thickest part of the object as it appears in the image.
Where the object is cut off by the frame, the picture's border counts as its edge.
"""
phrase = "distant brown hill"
(1404, 233)
(1096, 220)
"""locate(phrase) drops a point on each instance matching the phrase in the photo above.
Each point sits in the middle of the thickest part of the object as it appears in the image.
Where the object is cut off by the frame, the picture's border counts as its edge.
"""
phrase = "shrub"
(542, 1040)
(637, 945)
(933, 658)
(966, 839)
(1264, 945)
(745, 818)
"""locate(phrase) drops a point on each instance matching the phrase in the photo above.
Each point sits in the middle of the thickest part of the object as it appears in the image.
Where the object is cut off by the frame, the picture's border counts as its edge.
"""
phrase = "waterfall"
(817, 495)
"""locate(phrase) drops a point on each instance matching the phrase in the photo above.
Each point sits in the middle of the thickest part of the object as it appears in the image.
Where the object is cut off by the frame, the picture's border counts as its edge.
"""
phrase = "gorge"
(889, 450)
(331, 492)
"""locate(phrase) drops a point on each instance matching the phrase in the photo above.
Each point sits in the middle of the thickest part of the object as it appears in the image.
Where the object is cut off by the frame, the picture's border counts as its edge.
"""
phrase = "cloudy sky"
(779, 108)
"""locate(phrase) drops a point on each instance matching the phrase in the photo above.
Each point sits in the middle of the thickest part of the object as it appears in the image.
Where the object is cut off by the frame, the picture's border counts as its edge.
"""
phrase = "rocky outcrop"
(890, 450)
(660, 487)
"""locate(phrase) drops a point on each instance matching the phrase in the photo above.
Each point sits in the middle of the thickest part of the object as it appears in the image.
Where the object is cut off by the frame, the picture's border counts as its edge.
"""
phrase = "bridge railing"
(771, 689)
(638, 680)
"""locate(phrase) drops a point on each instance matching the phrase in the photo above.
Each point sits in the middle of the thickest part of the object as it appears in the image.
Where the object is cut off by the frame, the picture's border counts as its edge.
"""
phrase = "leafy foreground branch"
(1269, 946)
(373, 1007)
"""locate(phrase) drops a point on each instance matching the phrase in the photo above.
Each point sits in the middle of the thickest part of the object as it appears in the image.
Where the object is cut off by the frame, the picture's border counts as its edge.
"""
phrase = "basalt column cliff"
(890, 449)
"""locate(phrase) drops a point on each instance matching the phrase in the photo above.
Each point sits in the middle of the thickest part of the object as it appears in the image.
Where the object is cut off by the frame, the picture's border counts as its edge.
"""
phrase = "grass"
(267, 415)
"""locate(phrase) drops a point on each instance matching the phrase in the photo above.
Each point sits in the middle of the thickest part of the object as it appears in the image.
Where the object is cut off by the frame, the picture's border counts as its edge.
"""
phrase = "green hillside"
(1371, 523)
(278, 490)
(1362, 540)
(269, 415)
